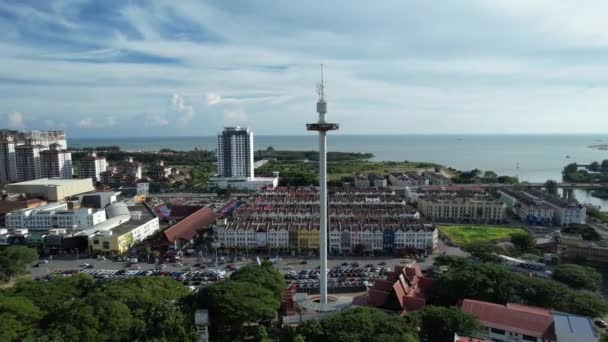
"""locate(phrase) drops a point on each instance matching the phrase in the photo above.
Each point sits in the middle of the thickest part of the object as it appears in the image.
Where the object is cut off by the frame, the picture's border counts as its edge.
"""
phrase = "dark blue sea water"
(539, 157)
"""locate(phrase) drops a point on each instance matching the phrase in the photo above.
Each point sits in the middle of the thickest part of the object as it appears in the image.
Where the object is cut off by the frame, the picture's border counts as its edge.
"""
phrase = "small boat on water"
(567, 157)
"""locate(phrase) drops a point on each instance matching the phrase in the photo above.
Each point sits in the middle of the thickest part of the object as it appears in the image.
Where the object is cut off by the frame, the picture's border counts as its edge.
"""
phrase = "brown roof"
(186, 228)
(181, 211)
(523, 319)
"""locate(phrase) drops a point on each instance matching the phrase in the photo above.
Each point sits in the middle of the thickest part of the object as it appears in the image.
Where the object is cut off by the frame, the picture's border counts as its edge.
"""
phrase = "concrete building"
(523, 323)
(567, 211)
(56, 163)
(201, 322)
(28, 161)
(126, 172)
(22, 163)
(530, 209)
(51, 189)
(235, 153)
(11, 203)
(92, 166)
(374, 180)
(511, 322)
(158, 170)
(435, 178)
(54, 216)
(361, 181)
(462, 209)
(406, 179)
(126, 225)
(8, 160)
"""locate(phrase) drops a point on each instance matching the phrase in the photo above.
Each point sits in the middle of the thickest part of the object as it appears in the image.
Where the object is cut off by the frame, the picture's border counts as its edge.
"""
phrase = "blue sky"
(142, 68)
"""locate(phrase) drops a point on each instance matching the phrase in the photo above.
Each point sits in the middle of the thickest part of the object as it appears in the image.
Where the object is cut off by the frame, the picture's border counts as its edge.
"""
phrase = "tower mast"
(322, 127)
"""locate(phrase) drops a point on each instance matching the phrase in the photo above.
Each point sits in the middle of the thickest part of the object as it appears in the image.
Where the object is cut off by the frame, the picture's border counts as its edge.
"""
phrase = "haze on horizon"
(187, 68)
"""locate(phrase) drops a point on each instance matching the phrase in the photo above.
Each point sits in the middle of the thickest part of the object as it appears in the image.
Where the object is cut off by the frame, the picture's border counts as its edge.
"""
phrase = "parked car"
(303, 262)
(382, 263)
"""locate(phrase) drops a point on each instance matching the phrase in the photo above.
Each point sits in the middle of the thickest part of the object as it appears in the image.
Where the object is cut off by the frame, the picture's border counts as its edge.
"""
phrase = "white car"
(288, 267)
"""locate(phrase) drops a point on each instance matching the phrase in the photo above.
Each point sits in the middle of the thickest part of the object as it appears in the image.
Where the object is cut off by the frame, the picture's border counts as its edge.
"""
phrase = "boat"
(567, 157)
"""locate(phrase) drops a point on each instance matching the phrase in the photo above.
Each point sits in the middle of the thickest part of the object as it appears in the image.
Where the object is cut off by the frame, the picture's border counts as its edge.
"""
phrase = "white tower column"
(322, 127)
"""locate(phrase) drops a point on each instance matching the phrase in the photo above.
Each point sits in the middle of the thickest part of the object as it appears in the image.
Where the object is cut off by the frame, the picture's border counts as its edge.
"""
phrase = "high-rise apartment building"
(92, 166)
(235, 153)
(8, 161)
(28, 162)
(20, 152)
(56, 163)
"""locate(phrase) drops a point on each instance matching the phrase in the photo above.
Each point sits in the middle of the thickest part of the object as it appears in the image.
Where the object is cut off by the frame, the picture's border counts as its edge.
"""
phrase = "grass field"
(463, 234)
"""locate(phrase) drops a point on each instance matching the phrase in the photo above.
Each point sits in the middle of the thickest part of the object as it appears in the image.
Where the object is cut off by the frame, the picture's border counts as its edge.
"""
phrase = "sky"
(187, 68)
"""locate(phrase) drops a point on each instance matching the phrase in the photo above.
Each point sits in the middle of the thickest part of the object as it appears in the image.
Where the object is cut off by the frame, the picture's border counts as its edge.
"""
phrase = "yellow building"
(119, 233)
(308, 238)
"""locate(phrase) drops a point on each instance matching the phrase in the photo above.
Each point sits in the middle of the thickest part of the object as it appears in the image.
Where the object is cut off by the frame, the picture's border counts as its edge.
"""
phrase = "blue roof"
(572, 324)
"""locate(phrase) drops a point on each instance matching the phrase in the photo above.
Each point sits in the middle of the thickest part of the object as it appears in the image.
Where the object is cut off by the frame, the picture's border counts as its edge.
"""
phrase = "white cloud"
(158, 121)
(179, 105)
(15, 119)
(213, 98)
(52, 124)
(235, 117)
(92, 123)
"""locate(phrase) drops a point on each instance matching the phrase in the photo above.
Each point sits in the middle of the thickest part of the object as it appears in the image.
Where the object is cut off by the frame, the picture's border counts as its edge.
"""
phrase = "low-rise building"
(126, 225)
(523, 323)
(362, 181)
(462, 209)
(52, 189)
(436, 178)
(530, 209)
(511, 322)
(54, 216)
(567, 211)
(406, 179)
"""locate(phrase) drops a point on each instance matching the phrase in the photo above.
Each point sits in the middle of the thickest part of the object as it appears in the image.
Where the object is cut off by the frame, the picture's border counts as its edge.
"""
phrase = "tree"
(232, 303)
(551, 187)
(438, 324)
(523, 242)
(594, 166)
(578, 277)
(358, 324)
(604, 167)
(265, 275)
(507, 180)
(585, 231)
(14, 259)
(18, 318)
(490, 176)
(483, 250)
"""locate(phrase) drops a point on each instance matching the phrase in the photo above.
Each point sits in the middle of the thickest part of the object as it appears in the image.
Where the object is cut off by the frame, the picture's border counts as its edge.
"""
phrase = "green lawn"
(463, 234)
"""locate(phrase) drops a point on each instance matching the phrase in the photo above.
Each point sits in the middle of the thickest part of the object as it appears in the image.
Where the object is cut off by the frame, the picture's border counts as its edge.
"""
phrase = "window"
(106, 245)
(528, 338)
(498, 331)
(96, 242)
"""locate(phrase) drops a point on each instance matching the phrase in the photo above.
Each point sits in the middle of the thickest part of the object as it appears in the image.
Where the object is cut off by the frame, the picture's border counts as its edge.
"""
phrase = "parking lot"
(194, 272)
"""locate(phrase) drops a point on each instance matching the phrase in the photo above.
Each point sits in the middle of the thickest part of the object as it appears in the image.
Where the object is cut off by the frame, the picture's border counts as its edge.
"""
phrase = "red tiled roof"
(471, 339)
(523, 319)
(186, 228)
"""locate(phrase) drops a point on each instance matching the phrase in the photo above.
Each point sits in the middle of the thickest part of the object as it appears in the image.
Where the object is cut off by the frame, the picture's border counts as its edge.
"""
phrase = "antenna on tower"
(320, 87)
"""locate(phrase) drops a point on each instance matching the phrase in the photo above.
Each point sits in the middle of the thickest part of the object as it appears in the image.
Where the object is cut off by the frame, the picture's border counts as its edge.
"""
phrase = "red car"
(230, 267)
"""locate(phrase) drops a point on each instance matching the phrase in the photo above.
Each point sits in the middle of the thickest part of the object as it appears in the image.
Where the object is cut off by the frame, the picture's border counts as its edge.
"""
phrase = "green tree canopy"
(265, 275)
(438, 324)
(523, 242)
(77, 308)
(14, 259)
(551, 186)
(585, 231)
(494, 283)
(232, 303)
(482, 250)
(358, 324)
(578, 277)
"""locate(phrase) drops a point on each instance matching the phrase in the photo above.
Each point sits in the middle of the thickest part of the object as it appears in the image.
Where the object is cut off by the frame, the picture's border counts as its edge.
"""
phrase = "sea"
(532, 158)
